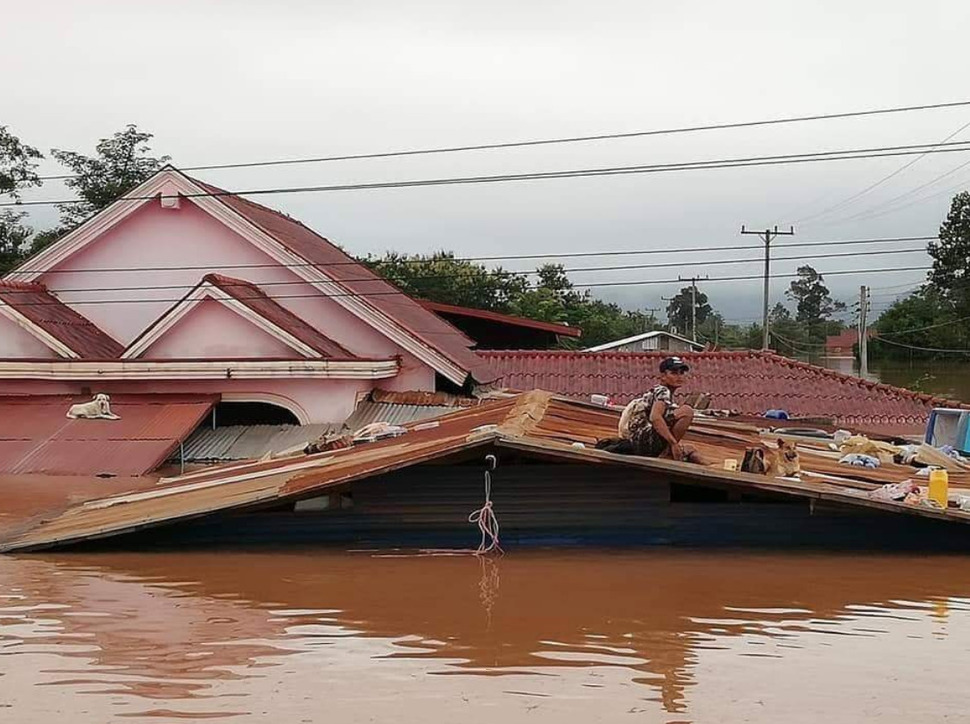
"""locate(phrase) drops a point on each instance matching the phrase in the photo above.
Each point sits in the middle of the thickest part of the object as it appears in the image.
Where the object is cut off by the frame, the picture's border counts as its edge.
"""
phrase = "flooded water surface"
(573, 636)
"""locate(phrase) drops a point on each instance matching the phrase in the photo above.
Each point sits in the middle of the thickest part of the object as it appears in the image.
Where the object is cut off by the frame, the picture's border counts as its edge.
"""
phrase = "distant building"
(493, 330)
(843, 344)
(658, 340)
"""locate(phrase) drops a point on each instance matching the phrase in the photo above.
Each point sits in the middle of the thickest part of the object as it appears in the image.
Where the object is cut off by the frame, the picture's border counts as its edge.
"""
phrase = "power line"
(643, 282)
(818, 156)
(923, 329)
(564, 140)
(514, 257)
(660, 265)
(880, 338)
(871, 187)
(873, 211)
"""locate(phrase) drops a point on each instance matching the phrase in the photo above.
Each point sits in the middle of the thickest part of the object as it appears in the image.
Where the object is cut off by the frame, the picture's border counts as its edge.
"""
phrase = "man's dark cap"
(674, 363)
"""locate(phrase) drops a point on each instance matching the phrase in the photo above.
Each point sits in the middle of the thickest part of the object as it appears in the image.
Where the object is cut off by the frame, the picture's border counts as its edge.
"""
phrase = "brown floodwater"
(540, 636)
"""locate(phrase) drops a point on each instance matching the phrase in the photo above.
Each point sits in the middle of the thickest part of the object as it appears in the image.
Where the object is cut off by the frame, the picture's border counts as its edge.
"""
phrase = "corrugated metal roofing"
(535, 424)
(249, 442)
(37, 437)
(747, 382)
(78, 333)
(395, 414)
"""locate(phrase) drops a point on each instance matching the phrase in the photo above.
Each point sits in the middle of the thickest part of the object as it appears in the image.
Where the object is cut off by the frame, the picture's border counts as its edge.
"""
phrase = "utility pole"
(863, 331)
(693, 303)
(670, 327)
(652, 311)
(767, 236)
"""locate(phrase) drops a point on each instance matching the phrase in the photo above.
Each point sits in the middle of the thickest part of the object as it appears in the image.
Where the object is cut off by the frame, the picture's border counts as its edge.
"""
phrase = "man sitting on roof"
(654, 424)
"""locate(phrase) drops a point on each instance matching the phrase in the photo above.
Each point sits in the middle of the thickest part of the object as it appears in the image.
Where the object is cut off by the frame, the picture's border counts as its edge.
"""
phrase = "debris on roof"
(533, 425)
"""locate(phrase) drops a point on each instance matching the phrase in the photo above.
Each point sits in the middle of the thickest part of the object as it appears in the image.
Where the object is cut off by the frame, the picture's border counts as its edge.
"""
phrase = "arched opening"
(251, 413)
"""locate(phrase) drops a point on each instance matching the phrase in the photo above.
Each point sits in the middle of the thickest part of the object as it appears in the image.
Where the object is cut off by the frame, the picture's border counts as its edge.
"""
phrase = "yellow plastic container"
(939, 489)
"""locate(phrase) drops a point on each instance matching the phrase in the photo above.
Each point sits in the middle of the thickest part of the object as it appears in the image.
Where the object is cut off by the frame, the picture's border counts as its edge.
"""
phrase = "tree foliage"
(120, 163)
(813, 303)
(18, 171)
(951, 256)
(924, 319)
(551, 297)
(679, 310)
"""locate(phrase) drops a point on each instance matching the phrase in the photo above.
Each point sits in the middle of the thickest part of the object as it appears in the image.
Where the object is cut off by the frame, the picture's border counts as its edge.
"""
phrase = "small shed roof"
(646, 335)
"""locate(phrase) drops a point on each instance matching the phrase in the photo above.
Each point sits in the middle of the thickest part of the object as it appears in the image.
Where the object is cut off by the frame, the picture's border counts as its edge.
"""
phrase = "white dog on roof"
(97, 409)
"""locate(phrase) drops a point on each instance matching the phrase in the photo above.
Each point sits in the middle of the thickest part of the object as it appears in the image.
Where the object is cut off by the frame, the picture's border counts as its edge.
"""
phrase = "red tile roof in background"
(79, 334)
(844, 340)
(256, 299)
(563, 330)
(747, 382)
(37, 437)
(358, 279)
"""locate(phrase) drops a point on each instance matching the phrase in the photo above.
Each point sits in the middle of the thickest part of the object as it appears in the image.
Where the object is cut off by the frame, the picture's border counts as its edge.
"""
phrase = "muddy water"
(580, 636)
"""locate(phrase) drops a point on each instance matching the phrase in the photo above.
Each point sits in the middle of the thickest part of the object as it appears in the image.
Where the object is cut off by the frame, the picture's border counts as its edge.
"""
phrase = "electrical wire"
(923, 329)
(743, 162)
(395, 292)
(660, 265)
(564, 140)
(880, 338)
(515, 257)
(871, 187)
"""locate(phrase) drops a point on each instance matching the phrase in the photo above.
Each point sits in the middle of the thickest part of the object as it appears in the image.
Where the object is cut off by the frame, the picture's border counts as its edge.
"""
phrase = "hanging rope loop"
(484, 517)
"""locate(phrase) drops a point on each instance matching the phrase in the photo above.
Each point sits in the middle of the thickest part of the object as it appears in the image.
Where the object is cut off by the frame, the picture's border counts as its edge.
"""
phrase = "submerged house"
(181, 288)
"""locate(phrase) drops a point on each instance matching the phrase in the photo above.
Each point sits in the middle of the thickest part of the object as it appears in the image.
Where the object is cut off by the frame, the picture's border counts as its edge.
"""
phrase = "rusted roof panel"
(37, 437)
(77, 333)
(535, 423)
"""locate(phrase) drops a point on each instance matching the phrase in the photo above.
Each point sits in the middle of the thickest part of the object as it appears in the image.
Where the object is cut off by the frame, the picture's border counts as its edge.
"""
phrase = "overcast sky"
(244, 81)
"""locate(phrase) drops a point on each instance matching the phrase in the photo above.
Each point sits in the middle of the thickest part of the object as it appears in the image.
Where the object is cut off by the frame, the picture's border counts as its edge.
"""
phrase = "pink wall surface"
(188, 236)
(311, 401)
(213, 331)
(17, 343)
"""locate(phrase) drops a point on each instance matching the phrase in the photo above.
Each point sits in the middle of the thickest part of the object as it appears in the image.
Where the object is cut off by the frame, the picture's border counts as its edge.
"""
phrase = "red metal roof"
(359, 280)
(561, 329)
(256, 299)
(746, 381)
(37, 437)
(79, 334)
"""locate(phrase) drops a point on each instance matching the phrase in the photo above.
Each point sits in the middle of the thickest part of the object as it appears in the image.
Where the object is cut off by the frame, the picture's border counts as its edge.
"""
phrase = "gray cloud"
(220, 81)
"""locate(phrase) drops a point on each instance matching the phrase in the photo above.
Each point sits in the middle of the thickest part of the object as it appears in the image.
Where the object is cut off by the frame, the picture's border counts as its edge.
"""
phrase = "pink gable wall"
(153, 237)
(213, 331)
(156, 237)
(17, 343)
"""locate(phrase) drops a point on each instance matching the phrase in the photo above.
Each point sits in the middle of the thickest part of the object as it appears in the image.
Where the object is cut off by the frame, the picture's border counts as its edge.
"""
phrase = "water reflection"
(563, 636)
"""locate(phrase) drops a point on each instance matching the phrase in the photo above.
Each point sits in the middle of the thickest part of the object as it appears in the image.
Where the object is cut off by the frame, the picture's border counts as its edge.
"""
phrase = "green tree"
(951, 256)
(924, 319)
(120, 163)
(18, 171)
(813, 303)
(441, 277)
(551, 298)
(679, 310)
